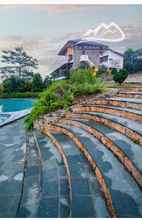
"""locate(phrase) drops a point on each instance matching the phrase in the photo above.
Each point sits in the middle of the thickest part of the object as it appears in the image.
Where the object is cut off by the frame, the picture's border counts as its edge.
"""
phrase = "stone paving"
(98, 144)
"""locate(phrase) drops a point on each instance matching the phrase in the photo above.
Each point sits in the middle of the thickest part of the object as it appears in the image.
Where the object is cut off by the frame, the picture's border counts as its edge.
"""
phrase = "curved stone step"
(136, 95)
(127, 113)
(132, 89)
(133, 125)
(24, 175)
(129, 92)
(64, 158)
(128, 164)
(133, 151)
(93, 164)
(124, 103)
(131, 100)
(138, 112)
(120, 183)
(130, 133)
(85, 185)
(31, 188)
(40, 160)
(53, 202)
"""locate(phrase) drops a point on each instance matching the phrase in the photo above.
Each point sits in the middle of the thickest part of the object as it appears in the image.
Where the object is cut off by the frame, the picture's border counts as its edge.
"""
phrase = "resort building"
(91, 52)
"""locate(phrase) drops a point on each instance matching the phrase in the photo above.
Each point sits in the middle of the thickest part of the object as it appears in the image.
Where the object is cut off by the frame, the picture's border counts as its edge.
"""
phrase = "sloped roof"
(80, 42)
(120, 54)
(91, 43)
(69, 43)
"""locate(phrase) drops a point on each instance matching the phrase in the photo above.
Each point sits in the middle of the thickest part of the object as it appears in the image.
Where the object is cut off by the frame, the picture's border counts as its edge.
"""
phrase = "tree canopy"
(120, 76)
(37, 84)
(19, 59)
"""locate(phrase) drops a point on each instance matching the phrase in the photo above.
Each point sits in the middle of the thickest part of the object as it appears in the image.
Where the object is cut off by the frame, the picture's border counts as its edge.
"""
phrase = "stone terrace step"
(138, 112)
(129, 95)
(120, 102)
(131, 100)
(136, 126)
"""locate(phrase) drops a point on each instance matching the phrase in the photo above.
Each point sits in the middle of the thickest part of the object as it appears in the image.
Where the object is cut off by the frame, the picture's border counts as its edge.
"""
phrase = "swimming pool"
(12, 105)
(13, 109)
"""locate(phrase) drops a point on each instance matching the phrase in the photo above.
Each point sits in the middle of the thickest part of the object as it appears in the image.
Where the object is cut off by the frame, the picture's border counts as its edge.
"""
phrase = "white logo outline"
(107, 27)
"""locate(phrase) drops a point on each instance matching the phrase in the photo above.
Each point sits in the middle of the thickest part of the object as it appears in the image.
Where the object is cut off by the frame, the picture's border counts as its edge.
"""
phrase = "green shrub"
(120, 76)
(88, 88)
(81, 76)
(60, 94)
(18, 85)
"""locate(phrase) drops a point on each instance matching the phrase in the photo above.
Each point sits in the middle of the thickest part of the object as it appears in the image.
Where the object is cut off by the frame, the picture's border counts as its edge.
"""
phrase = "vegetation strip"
(64, 158)
(133, 135)
(105, 109)
(92, 162)
(24, 174)
(127, 163)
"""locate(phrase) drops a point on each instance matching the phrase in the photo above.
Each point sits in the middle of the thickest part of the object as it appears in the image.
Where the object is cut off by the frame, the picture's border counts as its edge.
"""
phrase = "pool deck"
(14, 116)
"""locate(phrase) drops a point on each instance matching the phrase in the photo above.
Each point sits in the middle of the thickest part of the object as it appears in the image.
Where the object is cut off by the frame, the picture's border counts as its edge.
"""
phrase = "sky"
(43, 29)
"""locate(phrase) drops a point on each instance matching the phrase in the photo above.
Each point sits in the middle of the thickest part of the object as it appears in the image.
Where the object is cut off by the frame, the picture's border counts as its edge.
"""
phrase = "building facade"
(94, 53)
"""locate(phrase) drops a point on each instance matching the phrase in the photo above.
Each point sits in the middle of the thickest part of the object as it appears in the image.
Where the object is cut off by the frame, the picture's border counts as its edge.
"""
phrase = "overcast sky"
(42, 30)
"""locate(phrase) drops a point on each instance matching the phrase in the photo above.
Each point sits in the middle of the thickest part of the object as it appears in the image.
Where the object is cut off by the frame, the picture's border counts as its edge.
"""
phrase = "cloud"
(110, 33)
(45, 49)
(45, 7)
(56, 8)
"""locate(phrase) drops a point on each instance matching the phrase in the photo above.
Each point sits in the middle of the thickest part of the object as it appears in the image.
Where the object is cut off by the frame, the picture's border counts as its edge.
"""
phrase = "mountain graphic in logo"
(110, 33)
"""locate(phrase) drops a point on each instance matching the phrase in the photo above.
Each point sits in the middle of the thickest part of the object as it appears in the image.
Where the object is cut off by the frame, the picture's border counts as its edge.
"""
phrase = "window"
(103, 59)
(83, 52)
(70, 57)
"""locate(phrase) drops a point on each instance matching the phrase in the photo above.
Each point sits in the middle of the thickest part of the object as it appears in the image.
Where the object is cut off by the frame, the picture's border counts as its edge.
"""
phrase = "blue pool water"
(12, 105)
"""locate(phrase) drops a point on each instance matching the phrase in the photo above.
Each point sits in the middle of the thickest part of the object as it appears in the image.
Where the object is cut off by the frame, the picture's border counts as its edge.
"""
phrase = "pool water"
(12, 105)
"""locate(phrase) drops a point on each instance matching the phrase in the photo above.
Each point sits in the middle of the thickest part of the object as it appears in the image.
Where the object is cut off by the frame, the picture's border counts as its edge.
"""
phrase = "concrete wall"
(114, 60)
(93, 55)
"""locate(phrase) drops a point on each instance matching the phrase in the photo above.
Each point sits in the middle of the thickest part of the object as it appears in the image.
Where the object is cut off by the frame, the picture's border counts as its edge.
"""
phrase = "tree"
(9, 85)
(138, 65)
(14, 84)
(129, 55)
(114, 71)
(47, 81)
(129, 60)
(37, 84)
(120, 76)
(19, 59)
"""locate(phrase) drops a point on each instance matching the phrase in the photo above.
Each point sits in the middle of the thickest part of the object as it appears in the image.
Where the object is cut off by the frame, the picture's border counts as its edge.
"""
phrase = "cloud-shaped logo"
(110, 33)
